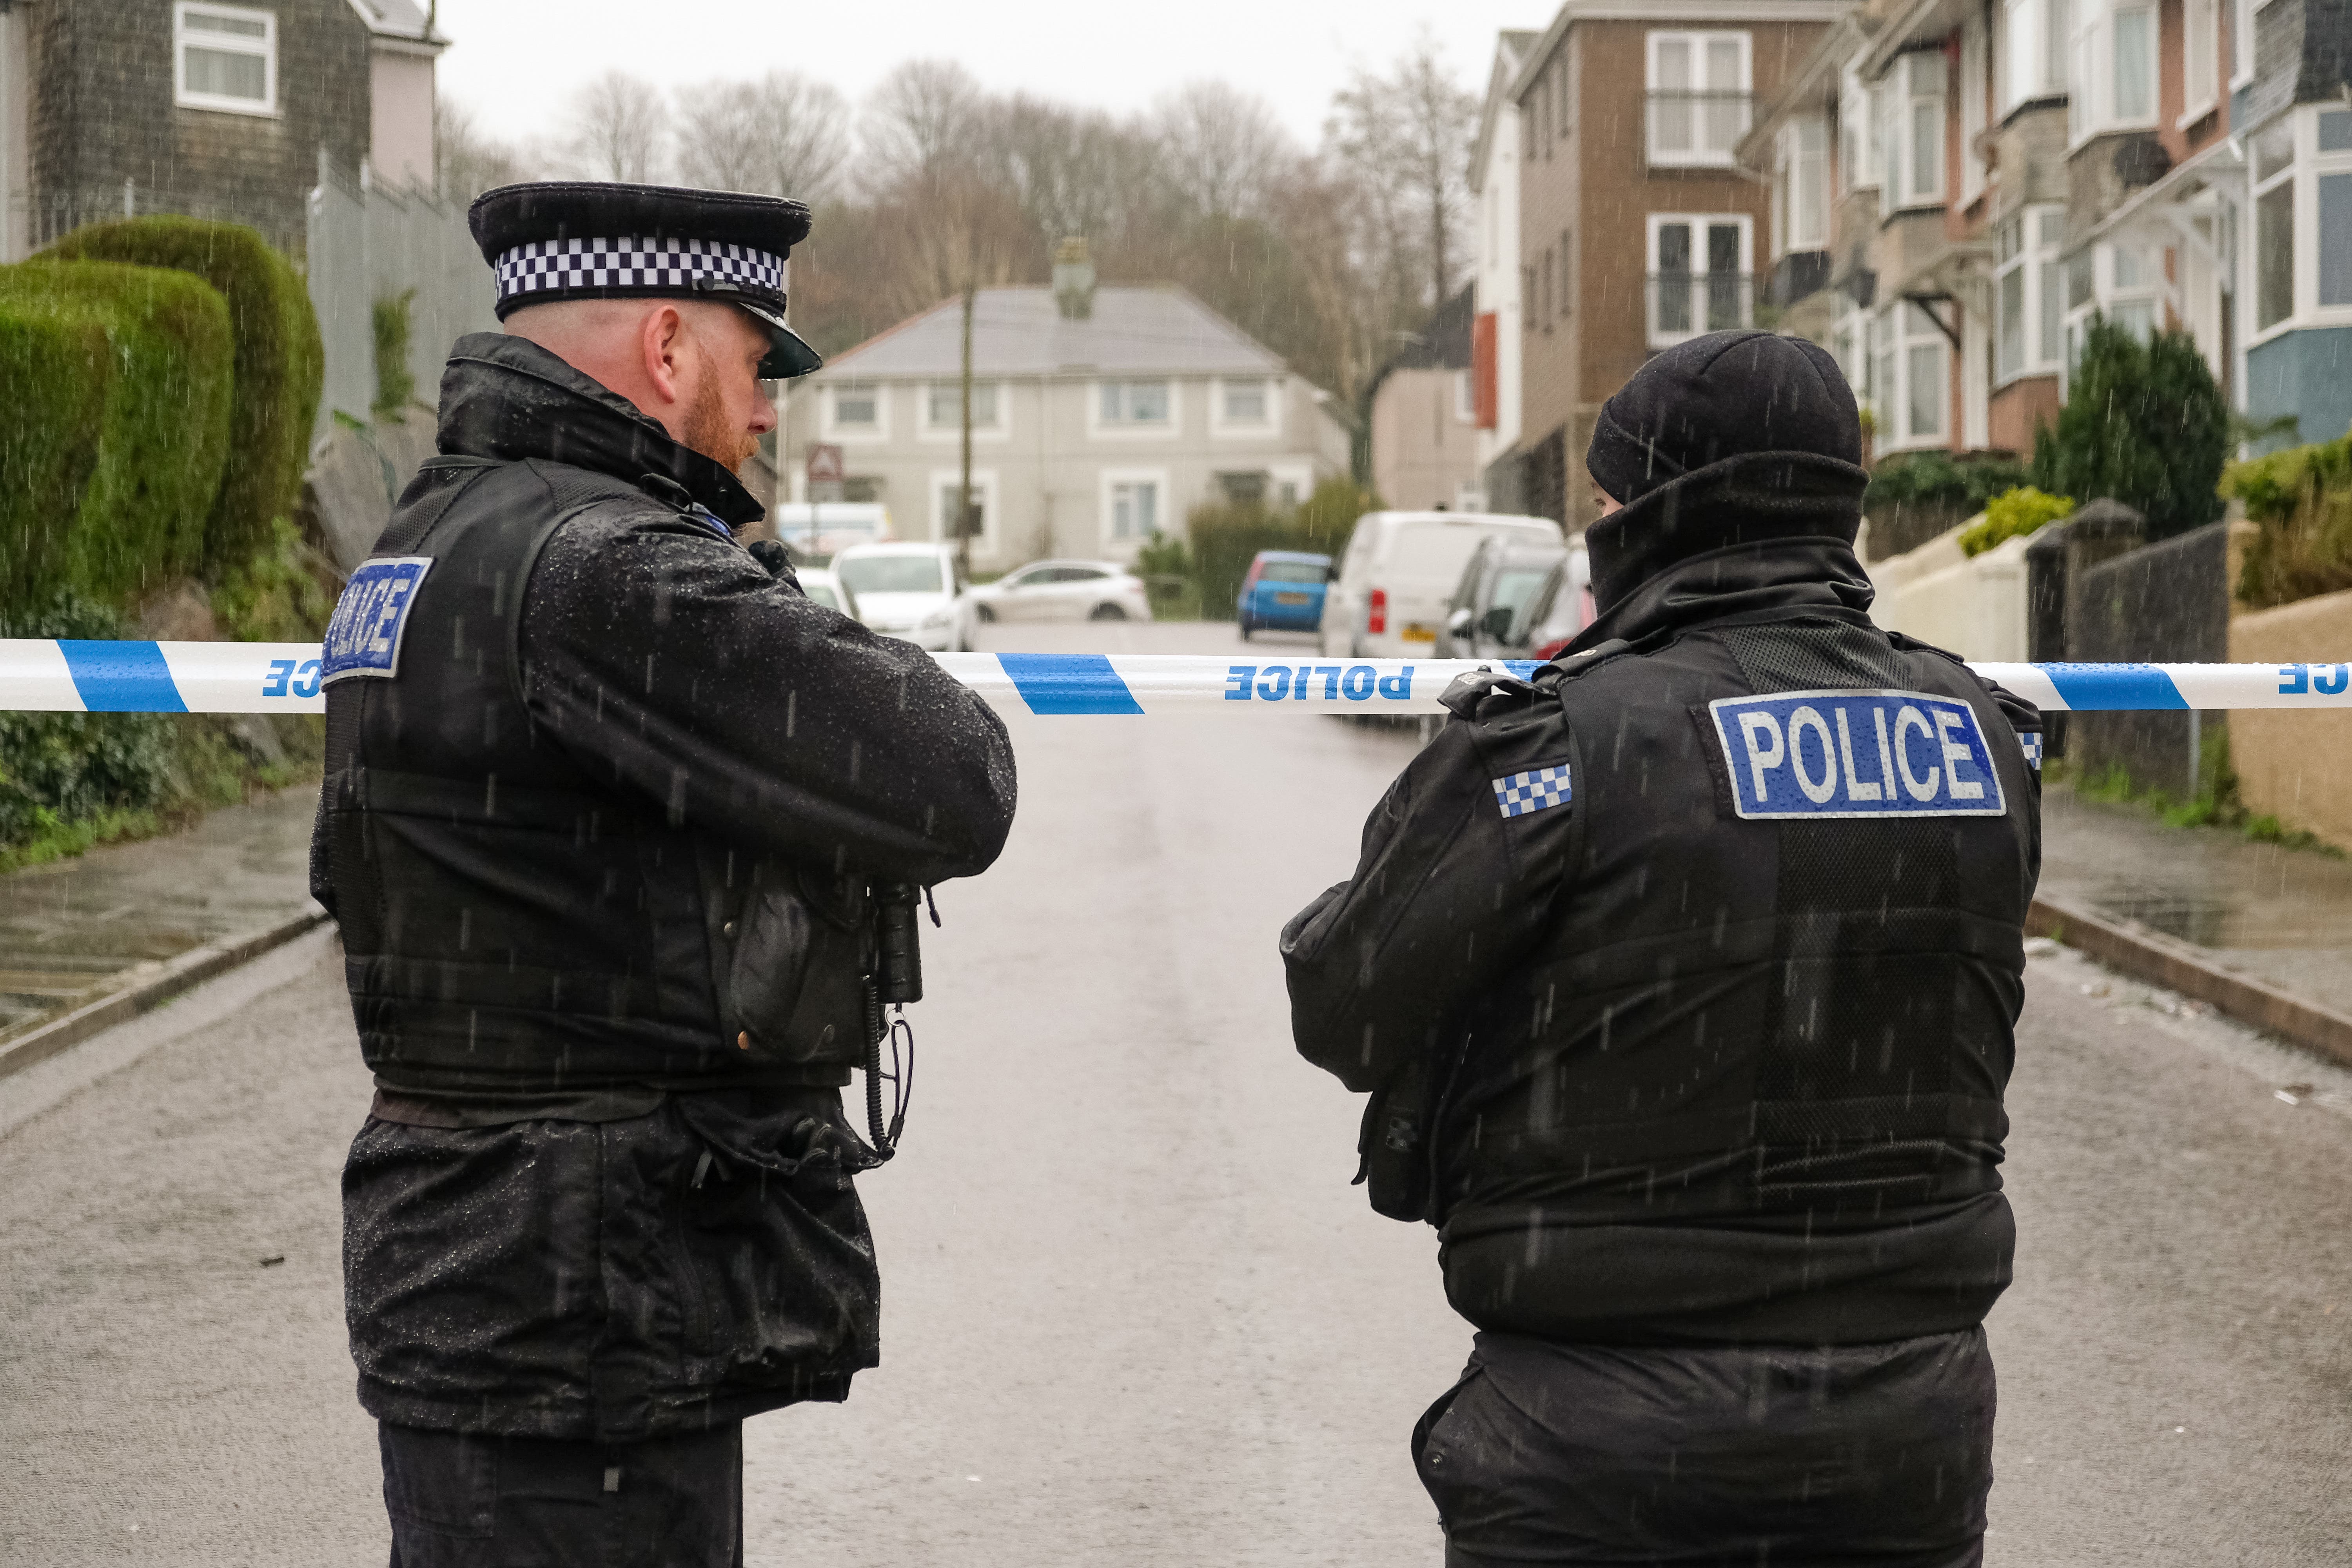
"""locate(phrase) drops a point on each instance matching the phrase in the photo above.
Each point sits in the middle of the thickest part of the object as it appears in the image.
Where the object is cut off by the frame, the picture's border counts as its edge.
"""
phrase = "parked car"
(819, 531)
(1063, 591)
(909, 590)
(1284, 591)
(1396, 581)
(820, 585)
(1514, 598)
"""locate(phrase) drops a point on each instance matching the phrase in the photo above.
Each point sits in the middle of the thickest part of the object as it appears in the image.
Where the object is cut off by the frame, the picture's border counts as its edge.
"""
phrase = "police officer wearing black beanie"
(1682, 978)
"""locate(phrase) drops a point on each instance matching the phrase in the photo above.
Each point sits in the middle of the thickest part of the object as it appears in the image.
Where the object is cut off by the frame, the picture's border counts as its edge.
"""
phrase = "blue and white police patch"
(2031, 740)
(363, 635)
(1855, 754)
(1537, 790)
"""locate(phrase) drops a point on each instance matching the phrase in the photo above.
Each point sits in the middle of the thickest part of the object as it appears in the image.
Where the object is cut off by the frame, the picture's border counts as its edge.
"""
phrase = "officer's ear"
(663, 343)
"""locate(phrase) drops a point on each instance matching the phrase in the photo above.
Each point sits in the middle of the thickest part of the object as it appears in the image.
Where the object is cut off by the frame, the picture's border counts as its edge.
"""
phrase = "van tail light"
(1376, 619)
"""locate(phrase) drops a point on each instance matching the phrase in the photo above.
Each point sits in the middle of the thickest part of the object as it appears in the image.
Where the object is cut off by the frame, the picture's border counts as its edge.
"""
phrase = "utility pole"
(965, 510)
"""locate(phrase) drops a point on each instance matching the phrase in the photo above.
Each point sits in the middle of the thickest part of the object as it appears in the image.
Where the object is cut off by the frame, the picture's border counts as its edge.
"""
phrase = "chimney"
(1074, 280)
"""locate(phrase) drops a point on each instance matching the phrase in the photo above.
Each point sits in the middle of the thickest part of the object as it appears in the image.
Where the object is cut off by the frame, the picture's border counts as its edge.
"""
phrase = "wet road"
(1133, 1313)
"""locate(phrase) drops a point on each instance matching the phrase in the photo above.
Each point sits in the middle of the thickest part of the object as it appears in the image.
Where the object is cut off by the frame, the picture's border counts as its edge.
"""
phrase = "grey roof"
(1156, 329)
(396, 19)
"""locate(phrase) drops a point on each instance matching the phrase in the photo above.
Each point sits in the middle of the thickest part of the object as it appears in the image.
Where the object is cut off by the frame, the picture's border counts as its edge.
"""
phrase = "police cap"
(578, 239)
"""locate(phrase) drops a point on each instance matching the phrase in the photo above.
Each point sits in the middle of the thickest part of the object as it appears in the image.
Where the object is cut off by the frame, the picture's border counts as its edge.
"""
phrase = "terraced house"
(1959, 185)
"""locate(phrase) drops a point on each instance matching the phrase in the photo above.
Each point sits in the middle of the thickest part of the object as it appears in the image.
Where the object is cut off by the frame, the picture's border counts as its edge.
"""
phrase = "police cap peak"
(578, 239)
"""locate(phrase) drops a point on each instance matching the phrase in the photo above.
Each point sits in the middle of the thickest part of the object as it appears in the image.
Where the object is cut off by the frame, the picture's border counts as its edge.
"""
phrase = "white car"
(824, 588)
(1064, 591)
(1394, 587)
(909, 590)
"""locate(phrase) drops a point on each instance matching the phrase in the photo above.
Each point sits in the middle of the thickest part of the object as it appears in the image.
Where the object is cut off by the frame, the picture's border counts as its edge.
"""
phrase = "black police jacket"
(603, 807)
(1684, 976)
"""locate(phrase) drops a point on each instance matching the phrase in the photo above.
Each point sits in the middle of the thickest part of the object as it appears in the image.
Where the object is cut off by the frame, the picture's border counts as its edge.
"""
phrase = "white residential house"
(1101, 417)
(1495, 286)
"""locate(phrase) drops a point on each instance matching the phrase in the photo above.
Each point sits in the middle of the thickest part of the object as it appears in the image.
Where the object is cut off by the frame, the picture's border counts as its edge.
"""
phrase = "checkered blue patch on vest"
(1539, 789)
(2031, 740)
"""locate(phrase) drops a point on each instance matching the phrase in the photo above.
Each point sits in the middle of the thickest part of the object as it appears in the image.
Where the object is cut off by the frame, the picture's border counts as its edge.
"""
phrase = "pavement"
(1133, 1311)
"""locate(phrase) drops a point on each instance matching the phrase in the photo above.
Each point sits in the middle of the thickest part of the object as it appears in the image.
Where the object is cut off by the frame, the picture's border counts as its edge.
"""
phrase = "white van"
(1398, 577)
(819, 531)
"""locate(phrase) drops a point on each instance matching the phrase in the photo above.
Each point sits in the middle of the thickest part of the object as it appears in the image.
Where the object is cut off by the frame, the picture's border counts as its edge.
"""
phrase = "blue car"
(1284, 591)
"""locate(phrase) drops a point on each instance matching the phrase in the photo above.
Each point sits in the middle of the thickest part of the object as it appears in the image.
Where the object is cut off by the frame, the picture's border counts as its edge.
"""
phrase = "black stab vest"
(512, 923)
(1750, 1089)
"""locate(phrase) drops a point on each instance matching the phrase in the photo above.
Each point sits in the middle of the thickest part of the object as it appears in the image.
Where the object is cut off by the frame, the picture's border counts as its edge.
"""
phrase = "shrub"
(163, 434)
(395, 385)
(2301, 500)
(280, 363)
(1328, 516)
(2144, 424)
(60, 768)
(54, 371)
(282, 592)
(1915, 496)
(2012, 514)
(1227, 535)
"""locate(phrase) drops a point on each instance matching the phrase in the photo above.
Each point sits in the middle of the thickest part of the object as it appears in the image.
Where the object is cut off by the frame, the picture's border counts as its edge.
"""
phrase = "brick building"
(212, 110)
(1637, 227)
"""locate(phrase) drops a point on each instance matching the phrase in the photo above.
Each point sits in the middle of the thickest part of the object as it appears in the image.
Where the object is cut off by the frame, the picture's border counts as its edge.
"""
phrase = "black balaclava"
(1717, 396)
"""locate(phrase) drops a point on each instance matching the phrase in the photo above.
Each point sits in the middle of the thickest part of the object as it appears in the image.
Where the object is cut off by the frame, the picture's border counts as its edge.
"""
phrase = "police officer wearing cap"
(613, 818)
(1681, 976)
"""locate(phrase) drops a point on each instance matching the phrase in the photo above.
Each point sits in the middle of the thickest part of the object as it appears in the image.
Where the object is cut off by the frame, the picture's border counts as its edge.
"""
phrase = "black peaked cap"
(548, 211)
(1722, 396)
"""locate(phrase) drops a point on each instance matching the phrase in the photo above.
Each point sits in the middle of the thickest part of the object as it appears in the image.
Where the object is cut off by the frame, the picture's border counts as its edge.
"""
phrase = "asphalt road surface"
(1133, 1311)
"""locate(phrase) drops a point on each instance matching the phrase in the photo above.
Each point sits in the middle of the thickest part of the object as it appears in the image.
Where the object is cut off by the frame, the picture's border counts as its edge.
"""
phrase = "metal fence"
(369, 241)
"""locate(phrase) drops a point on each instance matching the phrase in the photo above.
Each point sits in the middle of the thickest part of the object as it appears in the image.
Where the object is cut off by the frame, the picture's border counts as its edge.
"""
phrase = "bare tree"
(921, 121)
(618, 128)
(1405, 139)
(1074, 172)
(1221, 149)
(465, 162)
(782, 135)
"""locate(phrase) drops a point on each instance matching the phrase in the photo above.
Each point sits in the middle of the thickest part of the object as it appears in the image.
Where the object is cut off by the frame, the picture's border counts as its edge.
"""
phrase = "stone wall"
(2167, 603)
(2297, 765)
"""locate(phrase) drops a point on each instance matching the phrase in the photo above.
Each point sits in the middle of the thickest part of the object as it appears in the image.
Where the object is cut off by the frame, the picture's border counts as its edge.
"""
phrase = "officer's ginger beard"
(690, 365)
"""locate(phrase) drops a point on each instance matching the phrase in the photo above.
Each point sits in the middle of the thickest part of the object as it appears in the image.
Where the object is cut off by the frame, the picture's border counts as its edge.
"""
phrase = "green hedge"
(164, 434)
(2013, 514)
(2301, 498)
(1915, 496)
(2144, 424)
(1226, 536)
(54, 364)
(61, 768)
(280, 364)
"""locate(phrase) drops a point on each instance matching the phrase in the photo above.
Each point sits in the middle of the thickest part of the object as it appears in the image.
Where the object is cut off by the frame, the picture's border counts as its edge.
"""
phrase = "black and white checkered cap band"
(560, 265)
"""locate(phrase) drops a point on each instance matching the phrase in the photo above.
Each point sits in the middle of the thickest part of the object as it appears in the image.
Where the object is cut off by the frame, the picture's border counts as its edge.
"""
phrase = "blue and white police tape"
(284, 678)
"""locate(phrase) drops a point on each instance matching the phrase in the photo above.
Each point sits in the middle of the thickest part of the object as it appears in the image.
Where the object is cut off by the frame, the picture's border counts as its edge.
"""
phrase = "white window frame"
(227, 44)
(1897, 334)
(1103, 429)
(2091, 70)
(2302, 176)
(2201, 23)
(1164, 505)
(1701, 292)
(2241, 43)
(1905, 91)
(2027, 249)
(855, 435)
(1699, 155)
(1857, 141)
(1976, 105)
(2035, 35)
(946, 480)
(1790, 162)
(1220, 425)
(999, 429)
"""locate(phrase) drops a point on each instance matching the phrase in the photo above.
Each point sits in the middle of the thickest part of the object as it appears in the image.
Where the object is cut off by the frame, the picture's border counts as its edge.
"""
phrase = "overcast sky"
(515, 61)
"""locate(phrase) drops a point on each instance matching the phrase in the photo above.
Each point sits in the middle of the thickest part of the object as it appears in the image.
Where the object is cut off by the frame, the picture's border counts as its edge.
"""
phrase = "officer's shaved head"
(692, 364)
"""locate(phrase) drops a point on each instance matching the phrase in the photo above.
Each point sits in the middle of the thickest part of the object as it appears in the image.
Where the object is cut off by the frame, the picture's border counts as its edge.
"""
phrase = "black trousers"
(1764, 1456)
(460, 1500)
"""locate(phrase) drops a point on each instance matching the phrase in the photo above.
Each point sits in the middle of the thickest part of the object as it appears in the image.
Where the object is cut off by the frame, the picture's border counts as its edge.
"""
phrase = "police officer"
(611, 817)
(1683, 978)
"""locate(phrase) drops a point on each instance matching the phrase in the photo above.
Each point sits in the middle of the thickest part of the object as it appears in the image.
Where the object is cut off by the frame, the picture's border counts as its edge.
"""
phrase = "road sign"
(824, 465)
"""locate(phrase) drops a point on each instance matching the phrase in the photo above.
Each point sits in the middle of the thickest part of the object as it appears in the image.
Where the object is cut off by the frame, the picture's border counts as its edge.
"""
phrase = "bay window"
(1912, 132)
(1800, 196)
(1910, 378)
(2273, 172)
(2111, 84)
(2028, 295)
(2032, 56)
(2200, 62)
(1972, 110)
